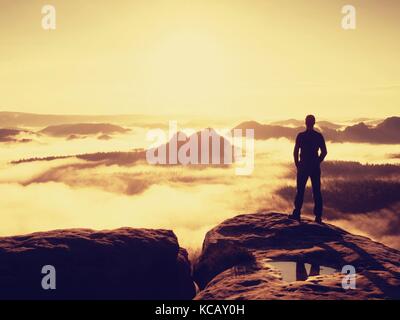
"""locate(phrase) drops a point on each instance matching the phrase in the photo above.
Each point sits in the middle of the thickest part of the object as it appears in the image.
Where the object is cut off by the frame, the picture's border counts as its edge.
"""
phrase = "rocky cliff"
(119, 264)
(252, 257)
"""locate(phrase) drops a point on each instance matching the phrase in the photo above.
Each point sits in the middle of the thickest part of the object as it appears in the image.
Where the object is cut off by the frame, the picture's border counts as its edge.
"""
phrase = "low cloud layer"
(55, 189)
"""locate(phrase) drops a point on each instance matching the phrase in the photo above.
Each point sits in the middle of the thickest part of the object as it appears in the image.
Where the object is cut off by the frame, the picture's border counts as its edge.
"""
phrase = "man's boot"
(295, 215)
(318, 219)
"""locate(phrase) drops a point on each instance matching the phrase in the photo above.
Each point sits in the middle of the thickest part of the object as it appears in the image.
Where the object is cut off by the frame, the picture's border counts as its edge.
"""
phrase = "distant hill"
(266, 131)
(288, 122)
(21, 119)
(385, 132)
(299, 123)
(82, 129)
(8, 134)
(12, 135)
(215, 156)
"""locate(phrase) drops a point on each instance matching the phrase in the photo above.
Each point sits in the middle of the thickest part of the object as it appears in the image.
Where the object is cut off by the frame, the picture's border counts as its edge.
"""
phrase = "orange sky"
(244, 58)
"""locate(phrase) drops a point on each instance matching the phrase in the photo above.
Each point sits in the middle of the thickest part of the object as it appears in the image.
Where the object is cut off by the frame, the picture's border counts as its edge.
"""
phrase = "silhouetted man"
(309, 143)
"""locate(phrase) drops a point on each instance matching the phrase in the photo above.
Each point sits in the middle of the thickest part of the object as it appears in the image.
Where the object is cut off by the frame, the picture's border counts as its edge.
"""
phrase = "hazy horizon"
(205, 120)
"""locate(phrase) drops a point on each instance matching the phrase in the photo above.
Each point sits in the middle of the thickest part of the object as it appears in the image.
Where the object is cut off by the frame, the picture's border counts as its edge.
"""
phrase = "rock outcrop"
(235, 262)
(120, 264)
(241, 259)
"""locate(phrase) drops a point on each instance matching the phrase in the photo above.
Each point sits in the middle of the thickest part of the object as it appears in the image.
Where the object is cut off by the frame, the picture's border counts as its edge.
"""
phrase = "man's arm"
(324, 151)
(296, 152)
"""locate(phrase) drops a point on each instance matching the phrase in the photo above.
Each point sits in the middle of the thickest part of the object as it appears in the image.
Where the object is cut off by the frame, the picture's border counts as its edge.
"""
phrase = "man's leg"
(316, 187)
(315, 270)
(301, 272)
(302, 177)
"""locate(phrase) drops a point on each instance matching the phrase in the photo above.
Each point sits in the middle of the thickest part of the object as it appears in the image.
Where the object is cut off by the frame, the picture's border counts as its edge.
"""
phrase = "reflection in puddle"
(243, 269)
(299, 271)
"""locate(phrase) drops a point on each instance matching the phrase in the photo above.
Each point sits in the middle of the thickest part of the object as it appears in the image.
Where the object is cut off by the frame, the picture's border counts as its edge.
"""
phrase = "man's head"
(310, 121)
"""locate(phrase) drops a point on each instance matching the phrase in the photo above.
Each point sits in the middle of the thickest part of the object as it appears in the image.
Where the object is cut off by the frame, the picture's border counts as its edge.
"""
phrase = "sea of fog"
(70, 193)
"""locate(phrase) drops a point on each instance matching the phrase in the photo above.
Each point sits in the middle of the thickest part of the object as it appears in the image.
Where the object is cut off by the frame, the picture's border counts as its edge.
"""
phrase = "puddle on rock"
(299, 271)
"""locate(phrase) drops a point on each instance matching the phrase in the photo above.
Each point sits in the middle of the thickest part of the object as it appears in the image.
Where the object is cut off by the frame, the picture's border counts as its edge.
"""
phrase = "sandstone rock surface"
(235, 262)
(118, 264)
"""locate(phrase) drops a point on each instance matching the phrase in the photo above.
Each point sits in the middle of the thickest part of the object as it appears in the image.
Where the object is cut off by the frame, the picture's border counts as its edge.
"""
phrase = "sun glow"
(243, 58)
(187, 64)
